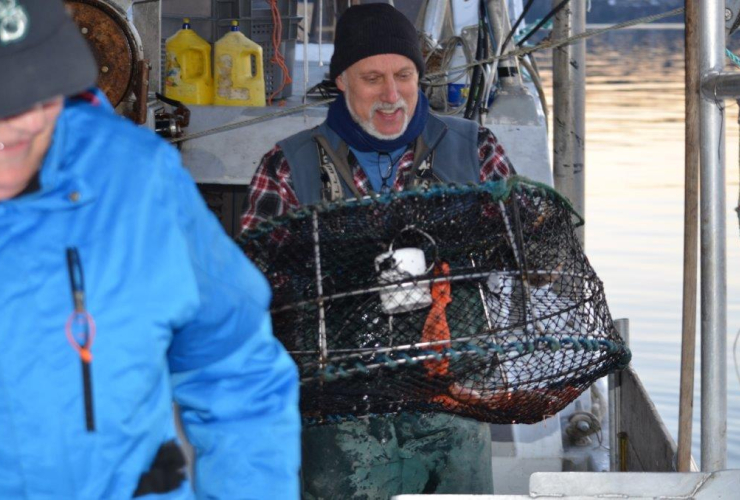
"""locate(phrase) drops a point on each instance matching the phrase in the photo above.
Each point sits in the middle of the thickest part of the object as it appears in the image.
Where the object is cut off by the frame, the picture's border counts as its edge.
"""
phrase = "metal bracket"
(732, 19)
(717, 85)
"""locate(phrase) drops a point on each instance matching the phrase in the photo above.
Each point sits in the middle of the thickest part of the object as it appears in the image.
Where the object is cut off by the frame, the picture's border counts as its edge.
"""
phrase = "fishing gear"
(474, 300)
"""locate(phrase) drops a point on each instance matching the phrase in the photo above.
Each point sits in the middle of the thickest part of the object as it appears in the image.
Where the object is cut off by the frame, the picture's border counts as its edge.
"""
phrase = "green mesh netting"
(475, 300)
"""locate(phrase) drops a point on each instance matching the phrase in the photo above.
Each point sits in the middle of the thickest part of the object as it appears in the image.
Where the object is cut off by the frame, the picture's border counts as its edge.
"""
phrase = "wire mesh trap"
(475, 300)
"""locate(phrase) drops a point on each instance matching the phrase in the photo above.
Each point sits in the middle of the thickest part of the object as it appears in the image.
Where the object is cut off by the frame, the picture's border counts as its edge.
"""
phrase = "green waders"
(381, 456)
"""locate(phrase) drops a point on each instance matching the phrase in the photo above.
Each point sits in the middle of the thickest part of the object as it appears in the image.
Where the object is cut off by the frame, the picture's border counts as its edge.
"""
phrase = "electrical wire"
(552, 44)
(530, 66)
(278, 58)
(489, 44)
(447, 50)
(446, 53)
(321, 29)
(497, 50)
(474, 81)
(489, 26)
(516, 25)
(478, 80)
(544, 20)
(305, 57)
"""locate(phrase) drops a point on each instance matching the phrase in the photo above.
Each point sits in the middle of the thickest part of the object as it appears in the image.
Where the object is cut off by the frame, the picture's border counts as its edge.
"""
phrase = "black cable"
(473, 90)
(516, 25)
(167, 100)
(475, 84)
(543, 22)
(482, 99)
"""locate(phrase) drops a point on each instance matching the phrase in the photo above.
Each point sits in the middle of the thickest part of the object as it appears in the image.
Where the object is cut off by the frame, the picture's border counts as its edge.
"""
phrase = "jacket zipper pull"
(80, 330)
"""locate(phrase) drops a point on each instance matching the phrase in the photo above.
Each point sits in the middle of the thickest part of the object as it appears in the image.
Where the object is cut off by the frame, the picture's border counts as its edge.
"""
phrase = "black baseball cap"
(42, 55)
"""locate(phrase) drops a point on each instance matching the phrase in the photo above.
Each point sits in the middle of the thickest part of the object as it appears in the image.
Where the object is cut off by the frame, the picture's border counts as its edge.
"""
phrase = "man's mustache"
(387, 106)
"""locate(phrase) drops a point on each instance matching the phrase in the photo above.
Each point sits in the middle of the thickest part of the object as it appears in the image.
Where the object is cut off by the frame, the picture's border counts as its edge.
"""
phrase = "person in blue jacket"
(119, 294)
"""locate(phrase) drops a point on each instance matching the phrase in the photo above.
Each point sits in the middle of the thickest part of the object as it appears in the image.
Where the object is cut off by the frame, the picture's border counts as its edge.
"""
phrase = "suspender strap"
(331, 186)
(334, 165)
(422, 168)
(333, 162)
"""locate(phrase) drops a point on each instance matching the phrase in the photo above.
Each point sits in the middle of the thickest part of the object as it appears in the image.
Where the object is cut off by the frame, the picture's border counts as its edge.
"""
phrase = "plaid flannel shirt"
(271, 191)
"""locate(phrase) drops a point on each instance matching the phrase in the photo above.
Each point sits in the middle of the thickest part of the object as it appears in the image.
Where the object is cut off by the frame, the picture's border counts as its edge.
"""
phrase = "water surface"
(634, 208)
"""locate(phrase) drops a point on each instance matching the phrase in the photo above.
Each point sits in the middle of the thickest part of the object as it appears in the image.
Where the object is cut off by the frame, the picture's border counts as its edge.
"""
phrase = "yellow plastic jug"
(238, 70)
(188, 75)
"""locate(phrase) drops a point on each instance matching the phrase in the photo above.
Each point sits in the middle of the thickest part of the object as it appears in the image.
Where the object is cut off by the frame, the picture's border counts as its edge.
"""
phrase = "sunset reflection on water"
(634, 207)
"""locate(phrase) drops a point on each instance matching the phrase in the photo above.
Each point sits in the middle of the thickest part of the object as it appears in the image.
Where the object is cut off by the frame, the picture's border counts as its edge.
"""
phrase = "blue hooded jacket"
(180, 314)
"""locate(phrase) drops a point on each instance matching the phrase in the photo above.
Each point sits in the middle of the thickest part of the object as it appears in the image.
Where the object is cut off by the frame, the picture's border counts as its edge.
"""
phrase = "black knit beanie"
(370, 30)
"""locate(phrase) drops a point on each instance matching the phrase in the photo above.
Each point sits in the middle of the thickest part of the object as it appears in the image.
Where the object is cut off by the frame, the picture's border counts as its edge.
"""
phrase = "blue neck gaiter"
(340, 121)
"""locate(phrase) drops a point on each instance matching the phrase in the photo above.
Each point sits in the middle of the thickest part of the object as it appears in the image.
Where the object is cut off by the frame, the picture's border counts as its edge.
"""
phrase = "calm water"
(634, 208)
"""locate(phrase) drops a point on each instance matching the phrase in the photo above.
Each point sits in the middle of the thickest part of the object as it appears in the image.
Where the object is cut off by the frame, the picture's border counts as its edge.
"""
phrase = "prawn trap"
(475, 300)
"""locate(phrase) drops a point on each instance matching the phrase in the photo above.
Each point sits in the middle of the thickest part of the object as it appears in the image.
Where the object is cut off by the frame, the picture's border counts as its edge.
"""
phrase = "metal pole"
(147, 18)
(713, 253)
(320, 6)
(563, 112)
(305, 58)
(613, 412)
(510, 76)
(615, 403)
(691, 236)
(722, 85)
(323, 350)
(623, 327)
(578, 63)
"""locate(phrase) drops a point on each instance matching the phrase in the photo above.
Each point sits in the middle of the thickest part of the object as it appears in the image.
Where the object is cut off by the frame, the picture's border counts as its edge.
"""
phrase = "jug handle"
(246, 58)
(186, 75)
(411, 227)
(259, 63)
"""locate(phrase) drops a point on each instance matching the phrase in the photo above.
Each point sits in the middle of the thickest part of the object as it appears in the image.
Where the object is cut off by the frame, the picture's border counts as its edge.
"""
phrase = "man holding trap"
(379, 137)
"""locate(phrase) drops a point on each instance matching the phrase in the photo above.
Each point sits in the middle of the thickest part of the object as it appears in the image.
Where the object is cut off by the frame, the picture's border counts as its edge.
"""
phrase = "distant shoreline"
(650, 26)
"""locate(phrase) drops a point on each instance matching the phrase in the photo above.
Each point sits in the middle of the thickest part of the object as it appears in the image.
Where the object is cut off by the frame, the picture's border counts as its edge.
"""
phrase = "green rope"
(332, 371)
(735, 59)
(498, 190)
